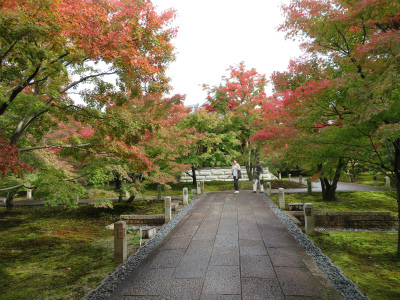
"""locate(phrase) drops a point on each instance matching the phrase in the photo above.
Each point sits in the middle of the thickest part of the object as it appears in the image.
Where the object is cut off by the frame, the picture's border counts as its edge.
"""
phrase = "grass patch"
(347, 201)
(367, 179)
(57, 253)
(367, 258)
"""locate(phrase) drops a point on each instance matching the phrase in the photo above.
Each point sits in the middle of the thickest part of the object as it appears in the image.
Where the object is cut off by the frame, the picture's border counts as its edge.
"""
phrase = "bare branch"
(78, 147)
(83, 79)
(8, 51)
(82, 109)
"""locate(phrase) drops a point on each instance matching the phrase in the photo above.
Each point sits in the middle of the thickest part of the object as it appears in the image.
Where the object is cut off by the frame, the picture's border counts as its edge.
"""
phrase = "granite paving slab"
(228, 246)
(256, 267)
(261, 289)
(298, 282)
(225, 256)
(222, 280)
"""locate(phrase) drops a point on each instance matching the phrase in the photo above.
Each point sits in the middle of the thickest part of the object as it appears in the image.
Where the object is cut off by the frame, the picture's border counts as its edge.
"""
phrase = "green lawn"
(367, 258)
(57, 253)
(367, 179)
(347, 201)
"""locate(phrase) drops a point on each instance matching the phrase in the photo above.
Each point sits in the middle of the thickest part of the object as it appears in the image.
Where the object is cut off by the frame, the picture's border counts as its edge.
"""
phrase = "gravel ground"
(347, 288)
(111, 282)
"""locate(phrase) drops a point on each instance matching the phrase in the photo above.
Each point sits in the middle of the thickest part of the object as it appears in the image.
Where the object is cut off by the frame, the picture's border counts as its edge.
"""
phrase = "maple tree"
(303, 118)
(238, 98)
(144, 142)
(359, 44)
(213, 140)
(49, 48)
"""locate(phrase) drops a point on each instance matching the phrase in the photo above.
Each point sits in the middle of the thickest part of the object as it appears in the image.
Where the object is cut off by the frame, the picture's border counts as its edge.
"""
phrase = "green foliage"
(216, 139)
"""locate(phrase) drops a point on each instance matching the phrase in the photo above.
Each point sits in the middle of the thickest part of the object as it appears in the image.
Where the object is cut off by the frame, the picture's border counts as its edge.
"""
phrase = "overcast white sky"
(215, 34)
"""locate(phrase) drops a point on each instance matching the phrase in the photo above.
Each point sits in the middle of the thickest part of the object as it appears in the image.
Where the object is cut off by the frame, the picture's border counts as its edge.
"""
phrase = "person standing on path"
(235, 172)
(259, 171)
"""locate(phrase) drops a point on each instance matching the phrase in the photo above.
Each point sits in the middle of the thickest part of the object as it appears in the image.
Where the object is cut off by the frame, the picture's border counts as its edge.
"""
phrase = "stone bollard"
(375, 179)
(300, 179)
(387, 182)
(309, 187)
(77, 199)
(185, 197)
(159, 192)
(309, 218)
(268, 189)
(29, 194)
(281, 198)
(127, 195)
(198, 188)
(290, 176)
(279, 176)
(350, 178)
(120, 242)
(202, 186)
(167, 205)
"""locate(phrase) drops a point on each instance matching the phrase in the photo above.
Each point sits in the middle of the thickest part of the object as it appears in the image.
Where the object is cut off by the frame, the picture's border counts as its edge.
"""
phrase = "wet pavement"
(228, 246)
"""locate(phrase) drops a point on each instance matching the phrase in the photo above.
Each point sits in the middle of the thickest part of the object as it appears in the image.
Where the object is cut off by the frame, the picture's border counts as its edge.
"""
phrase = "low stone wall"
(143, 220)
(351, 219)
(220, 174)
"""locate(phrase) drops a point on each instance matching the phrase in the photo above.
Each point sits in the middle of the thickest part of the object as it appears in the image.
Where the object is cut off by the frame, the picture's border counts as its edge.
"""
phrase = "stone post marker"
(159, 192)
(198, 188)
(77, 199)
(167, 205)
(120, 242)
(127, 195)
(202, 186)
(281, 198)
(268, 189)
(290, 176)
(387, 182)
(375, 178)
(309, 187)
(300, 179)
(185, 197)
(279, 175)
(309, 218)
(29, 194)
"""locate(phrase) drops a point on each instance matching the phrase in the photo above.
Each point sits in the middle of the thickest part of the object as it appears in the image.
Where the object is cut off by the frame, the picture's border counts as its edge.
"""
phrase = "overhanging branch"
(17, 187)
(78, 147)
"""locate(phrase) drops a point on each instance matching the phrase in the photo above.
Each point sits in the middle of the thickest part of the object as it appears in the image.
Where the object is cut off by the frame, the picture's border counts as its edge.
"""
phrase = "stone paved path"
(229, 246)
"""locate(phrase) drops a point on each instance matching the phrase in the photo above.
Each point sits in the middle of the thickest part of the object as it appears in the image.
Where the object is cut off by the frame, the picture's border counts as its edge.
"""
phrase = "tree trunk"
(121, 196)
(250, 170)
(329, 189)
(118, 187)
(130, 200)
(397, 183)
(395, 163)
(10, 199)
(194, 175)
